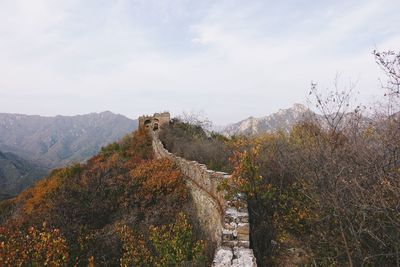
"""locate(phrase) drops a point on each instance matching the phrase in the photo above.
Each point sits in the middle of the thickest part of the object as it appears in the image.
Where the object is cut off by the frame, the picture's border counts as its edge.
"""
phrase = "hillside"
(57, 141)
(16, 174)
(121, 208)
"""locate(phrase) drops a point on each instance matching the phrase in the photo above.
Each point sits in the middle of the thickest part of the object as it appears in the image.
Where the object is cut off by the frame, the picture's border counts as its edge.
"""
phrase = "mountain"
(57, 141)
(283, 119)
(16, 174)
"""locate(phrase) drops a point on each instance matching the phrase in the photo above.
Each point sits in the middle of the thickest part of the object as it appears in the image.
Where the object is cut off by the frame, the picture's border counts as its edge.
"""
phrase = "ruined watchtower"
(155, 121)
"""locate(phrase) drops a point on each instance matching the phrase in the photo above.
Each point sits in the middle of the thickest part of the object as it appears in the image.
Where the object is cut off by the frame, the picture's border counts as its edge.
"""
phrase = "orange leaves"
(158, 176)
(246, 177)
(36, 196)
(33, 247)
(138, 144)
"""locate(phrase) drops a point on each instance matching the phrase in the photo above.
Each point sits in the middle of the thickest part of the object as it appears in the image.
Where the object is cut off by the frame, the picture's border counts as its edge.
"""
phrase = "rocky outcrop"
(226, 226)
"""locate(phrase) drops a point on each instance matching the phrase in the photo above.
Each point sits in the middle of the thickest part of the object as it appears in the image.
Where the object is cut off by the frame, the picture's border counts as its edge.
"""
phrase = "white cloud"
(231, 59)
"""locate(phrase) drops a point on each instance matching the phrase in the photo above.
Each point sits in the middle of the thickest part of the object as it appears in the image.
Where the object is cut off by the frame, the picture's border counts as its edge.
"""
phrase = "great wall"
(225, 225)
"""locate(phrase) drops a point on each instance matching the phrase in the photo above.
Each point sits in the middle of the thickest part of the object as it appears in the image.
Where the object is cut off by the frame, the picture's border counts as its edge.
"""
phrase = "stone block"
(230, 243)
(244, 219)
(243, 237)
(227, 235)
(223, 257)
(234, 233)
(243, 228)
(243, 244)
(243, 257)
(230, 226)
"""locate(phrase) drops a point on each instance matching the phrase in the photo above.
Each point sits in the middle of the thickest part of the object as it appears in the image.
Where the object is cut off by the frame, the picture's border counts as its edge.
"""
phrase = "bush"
(33, 247)
(193, 143)
(167, 245)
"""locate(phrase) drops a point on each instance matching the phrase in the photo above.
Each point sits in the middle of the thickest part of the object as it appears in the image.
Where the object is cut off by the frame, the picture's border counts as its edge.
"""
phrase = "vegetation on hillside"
(189, 140)
(122, 207)
(327, 192)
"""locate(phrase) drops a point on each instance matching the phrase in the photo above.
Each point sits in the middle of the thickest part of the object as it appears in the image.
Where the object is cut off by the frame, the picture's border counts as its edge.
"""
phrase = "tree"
(389, 62)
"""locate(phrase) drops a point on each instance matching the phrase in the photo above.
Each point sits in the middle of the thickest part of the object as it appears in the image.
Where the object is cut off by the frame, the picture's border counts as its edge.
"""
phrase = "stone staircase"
(235, 246)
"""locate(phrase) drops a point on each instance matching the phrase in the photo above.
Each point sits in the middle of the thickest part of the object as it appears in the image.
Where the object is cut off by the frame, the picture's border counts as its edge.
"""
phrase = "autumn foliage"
(33, 247)
(84, 204)
(168, 245)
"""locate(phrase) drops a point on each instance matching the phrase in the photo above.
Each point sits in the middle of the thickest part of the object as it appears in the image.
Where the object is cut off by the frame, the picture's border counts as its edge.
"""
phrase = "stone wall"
(155, 121)
(224, 225)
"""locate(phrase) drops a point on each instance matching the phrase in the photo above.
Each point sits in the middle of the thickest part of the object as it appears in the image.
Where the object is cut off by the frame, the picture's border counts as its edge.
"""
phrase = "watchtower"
(154, 122)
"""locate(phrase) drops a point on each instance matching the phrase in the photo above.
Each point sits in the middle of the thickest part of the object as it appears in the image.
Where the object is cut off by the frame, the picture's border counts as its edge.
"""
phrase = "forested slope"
(16, 174)
(121, 207)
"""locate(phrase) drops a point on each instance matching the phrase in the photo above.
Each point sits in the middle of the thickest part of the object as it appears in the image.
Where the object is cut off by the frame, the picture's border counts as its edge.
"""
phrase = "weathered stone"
(234, 213)
(243, 257)
(243, 237)
(229, 219)
(230, 243)
(230, 226)
(243, 228)
(155, 121)
(243, 244)
(223, 257)
(236, 243)
(234, 233)
(227, 235)
(244, 219)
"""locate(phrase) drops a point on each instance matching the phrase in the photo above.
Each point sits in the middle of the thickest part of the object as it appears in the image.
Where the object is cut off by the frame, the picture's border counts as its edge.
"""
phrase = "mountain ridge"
(282, 119)
(59, 140)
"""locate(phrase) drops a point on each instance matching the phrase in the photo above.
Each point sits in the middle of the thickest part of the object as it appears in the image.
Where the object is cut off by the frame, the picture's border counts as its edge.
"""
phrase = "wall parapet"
(226, 225)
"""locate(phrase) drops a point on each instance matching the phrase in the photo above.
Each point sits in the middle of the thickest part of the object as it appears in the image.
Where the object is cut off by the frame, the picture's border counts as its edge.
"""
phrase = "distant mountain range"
(16, 174)
(32, 145)
(283, 119)
(57, 141)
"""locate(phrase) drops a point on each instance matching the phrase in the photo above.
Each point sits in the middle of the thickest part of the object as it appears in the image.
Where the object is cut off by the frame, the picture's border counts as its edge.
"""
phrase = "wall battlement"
(155, 121)
(225, 225)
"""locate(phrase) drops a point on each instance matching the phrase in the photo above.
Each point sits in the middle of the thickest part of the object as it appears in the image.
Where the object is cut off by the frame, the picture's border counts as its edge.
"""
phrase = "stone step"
(228, 235)
(243, 257)
(237, 257)
(236, 243)
(233, 215)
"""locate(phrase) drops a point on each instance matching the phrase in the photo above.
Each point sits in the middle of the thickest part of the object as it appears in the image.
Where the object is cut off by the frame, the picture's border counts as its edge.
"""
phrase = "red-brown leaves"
(158, 176)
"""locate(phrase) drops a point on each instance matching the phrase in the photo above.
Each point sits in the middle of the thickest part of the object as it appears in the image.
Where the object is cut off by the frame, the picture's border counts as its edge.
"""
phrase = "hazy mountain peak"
(283, 119)
(296, 108)
(299, 107)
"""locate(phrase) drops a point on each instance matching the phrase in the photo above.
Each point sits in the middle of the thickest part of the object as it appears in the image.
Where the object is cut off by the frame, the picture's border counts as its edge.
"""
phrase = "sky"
(227, 59)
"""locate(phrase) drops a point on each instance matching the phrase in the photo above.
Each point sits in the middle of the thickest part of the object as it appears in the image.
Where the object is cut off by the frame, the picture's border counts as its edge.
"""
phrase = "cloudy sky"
(230, 59)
